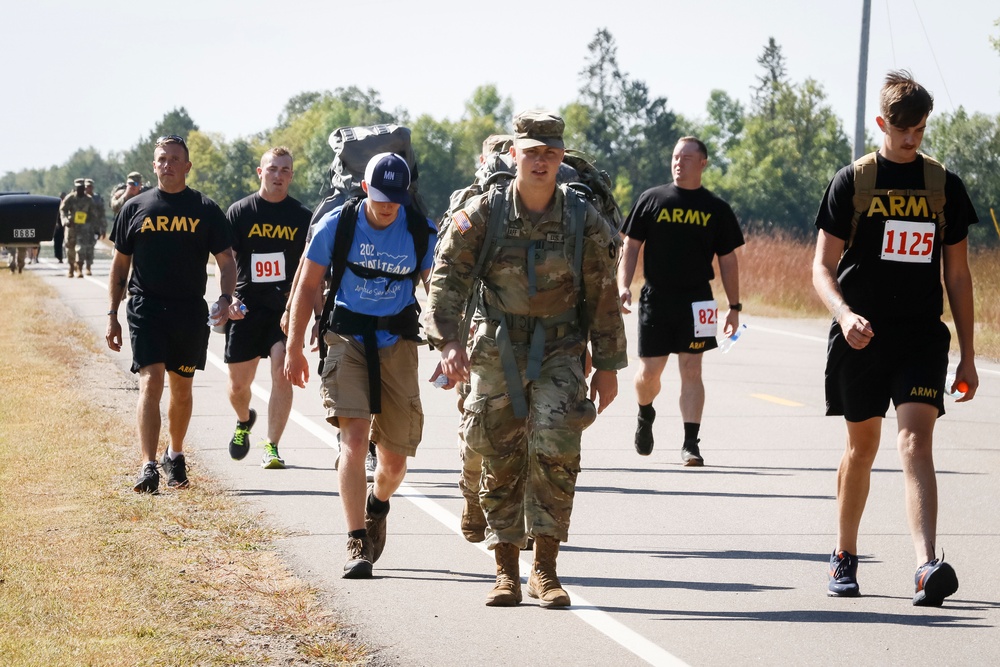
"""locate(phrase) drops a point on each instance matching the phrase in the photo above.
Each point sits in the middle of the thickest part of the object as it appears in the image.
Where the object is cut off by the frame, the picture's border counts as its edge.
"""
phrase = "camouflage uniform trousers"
(73, 232)
(85, 243)
(529, 466)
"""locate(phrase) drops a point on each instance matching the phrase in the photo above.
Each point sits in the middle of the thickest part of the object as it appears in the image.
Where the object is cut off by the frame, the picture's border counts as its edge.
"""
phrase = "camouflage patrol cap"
(88, 181)
(79, 182)
(538, 128)
(497, 143)
(134, 176)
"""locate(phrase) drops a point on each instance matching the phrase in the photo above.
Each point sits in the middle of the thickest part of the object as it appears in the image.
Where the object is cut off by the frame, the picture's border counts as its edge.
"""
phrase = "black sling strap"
(350, 323)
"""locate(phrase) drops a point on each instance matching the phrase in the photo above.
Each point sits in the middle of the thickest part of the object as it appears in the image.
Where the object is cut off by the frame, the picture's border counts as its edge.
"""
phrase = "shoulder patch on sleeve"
(462, 222)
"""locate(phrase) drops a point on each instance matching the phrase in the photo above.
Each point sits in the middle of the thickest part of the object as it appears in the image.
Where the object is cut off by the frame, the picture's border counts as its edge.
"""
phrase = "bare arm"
(301, 304)
(117, 281)
(958, 283)
(226, 262)
(626, 271)
(729, 271)
(856, 329)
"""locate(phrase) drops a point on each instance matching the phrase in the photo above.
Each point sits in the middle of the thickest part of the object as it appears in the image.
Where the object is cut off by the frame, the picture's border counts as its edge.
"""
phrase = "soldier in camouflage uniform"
(545, 293)
(125, 191)
(80, 217)
(98, 230)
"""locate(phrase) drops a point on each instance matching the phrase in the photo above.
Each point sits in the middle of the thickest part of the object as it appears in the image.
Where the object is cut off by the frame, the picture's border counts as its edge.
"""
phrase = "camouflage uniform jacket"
(80, 212)
(506, 280)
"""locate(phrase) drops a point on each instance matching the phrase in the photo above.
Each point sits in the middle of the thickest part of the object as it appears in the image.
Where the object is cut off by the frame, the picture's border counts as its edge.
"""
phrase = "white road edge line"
(586, 611)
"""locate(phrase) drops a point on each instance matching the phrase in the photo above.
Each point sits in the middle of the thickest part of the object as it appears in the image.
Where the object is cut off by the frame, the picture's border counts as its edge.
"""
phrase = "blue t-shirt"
(391, 250)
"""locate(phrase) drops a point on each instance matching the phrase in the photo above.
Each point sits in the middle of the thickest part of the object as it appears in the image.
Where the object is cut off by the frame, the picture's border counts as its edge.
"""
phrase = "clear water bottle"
(213, 317)
(960, 390)
(727, 343)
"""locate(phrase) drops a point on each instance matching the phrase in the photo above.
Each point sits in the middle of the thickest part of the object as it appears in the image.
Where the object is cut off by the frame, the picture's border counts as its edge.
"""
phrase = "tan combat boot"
(507, 591)
(543, 583)
(70, 274)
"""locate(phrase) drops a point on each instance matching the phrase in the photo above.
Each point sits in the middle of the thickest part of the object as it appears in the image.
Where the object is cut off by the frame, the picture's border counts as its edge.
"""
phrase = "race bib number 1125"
(911, 242)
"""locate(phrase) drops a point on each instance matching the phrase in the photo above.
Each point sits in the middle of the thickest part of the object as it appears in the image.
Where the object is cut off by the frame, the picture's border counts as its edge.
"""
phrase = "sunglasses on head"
(171, 139)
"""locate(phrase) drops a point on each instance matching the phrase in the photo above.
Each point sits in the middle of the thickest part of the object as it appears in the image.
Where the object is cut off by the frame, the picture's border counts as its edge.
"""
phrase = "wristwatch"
(738, 307)
(227, 297)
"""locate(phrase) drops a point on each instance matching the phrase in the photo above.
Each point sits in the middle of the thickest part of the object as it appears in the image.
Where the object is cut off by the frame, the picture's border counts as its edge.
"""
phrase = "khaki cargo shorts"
(344, 376)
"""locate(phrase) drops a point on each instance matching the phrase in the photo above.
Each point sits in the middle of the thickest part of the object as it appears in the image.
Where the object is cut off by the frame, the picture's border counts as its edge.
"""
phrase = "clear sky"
(101, 73)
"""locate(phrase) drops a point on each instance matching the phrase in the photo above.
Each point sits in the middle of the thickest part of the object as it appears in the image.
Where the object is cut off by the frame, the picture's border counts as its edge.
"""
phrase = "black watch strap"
(227, 297)
(738, 307)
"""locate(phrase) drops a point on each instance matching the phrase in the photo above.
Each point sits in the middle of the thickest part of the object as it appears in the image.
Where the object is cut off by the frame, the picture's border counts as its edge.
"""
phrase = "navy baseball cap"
(388, 179)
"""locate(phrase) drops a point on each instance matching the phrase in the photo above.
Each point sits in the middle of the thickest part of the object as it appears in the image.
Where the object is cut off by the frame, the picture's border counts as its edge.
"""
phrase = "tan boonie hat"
(538, 128)
(497, 143)
(78, 182)
(134, 176)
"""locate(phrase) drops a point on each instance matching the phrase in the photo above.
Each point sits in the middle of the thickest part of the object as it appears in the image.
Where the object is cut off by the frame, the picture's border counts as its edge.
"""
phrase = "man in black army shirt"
(269, 236)
(682, 226)
(165, 236)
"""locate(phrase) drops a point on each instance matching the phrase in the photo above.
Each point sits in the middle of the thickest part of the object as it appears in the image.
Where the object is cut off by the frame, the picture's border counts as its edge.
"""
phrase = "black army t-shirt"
(891, 271)
(682, 230)
(268, 238)
(170, 237)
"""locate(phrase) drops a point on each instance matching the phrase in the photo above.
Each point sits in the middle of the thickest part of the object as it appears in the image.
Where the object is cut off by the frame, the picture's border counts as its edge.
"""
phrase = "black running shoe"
(644, 436)
(843, 575)
(239, 444)
(935, 581)
(375, 526)
(690, 454)
(175, 470)
(149, 479)
(359, 559)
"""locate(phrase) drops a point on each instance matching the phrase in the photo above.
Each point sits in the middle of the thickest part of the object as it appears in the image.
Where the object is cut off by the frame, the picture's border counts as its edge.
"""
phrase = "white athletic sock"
(171, 454)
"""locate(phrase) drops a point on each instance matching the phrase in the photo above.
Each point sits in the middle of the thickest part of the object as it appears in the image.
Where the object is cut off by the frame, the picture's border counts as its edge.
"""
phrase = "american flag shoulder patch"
(462, 222)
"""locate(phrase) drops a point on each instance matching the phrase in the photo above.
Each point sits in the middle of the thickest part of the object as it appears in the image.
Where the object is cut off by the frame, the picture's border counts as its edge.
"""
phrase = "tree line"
(770, 157)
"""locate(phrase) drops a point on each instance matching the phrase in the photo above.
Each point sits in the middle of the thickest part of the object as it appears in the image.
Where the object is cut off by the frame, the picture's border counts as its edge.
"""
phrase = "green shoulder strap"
(864, 188)
(494, 229)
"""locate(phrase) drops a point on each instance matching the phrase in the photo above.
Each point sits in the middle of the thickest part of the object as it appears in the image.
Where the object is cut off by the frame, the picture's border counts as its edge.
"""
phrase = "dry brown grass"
(94, 574)
(776, 281)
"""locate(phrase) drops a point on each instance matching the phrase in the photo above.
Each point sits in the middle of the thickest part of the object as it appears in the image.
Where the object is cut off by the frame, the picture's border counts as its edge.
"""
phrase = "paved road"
(666, 565)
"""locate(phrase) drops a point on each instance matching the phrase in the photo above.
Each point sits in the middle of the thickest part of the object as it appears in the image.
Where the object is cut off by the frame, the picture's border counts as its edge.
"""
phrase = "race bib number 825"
(706, 318)
(267, 267)
(908, 241)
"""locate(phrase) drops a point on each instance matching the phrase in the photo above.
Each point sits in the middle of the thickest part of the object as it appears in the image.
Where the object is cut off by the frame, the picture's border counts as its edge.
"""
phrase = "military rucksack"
(352, 148)
(865, 168)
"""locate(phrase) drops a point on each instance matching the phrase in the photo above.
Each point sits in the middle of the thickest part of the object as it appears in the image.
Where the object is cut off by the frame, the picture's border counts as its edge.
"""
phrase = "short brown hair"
(903, 102)
(702, 148)
(278, 151)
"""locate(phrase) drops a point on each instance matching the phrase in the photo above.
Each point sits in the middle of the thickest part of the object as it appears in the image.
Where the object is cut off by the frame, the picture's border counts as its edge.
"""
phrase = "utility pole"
(859, 117)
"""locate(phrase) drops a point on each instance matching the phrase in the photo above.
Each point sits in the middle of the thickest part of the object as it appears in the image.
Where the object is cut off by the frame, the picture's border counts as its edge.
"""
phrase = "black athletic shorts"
(666, 323)
(255, 334)
(905, 362)
(174, 333)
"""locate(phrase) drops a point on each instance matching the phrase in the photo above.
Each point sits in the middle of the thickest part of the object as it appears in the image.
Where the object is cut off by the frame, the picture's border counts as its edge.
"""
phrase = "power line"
(933, 55)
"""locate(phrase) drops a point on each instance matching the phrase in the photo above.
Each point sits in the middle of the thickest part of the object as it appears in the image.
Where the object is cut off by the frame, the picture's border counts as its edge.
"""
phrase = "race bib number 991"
(908, 241)
(706, 318)
(267, 267)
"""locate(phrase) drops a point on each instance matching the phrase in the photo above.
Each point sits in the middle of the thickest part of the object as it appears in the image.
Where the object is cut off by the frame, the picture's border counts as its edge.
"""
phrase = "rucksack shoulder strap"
(864, 188)
(935, 177)
(494, 230)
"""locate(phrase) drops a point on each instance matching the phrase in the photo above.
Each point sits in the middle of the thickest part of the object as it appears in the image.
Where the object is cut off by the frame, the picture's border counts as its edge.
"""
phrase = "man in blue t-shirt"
(369, 374)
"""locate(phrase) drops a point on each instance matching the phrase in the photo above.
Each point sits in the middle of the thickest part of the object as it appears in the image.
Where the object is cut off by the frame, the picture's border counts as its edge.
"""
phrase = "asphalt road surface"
(666, 565)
